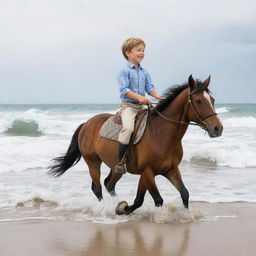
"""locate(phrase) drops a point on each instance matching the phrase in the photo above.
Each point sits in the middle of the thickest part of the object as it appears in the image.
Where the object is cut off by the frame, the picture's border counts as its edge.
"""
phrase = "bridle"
(202, 124)
(201, 119)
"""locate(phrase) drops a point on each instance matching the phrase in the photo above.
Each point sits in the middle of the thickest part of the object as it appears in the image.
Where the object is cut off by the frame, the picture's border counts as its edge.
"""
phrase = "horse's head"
(201, 107)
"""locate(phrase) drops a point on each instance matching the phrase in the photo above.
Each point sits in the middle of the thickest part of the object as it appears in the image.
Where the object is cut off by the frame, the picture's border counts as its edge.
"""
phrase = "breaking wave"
(24, 128)
(222, 110)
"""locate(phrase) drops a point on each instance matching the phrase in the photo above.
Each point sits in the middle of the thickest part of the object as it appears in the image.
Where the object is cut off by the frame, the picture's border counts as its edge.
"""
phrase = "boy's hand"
(143, 100)
(159, 97)
(155, 95)
(138, 97)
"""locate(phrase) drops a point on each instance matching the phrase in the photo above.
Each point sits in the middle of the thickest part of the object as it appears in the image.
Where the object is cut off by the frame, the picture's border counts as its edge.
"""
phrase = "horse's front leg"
(149, 180)
(146, 182)
(173, 175)
(124, 208)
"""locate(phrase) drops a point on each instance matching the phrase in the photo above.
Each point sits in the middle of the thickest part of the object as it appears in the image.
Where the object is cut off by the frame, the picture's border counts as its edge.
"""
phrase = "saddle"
(112, 127)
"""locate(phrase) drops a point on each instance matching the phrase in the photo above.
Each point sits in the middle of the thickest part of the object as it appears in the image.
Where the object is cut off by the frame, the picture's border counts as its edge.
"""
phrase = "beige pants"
(128, 114)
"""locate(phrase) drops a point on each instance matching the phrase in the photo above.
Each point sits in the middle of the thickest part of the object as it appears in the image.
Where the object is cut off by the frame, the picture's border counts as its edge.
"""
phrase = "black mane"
(172, 92)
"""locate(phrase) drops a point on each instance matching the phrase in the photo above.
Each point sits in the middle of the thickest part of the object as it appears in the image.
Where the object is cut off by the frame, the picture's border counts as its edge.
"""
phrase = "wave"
(35, 111)
(222, 110)
(249, 122)
(36, 122)
(231, 156)
(203, 161)
(24, 128)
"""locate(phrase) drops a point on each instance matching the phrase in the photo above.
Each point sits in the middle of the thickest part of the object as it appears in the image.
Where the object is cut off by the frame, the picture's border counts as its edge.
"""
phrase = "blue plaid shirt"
(135, 79)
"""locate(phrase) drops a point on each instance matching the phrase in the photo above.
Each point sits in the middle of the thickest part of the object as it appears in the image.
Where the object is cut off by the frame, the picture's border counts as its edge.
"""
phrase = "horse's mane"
(172, 92)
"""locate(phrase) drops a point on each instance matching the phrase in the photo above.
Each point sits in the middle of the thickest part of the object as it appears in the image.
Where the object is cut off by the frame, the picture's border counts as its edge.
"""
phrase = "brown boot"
(121, 166)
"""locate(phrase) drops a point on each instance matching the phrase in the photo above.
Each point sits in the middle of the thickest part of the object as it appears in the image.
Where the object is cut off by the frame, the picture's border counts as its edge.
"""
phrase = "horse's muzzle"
(215, 130)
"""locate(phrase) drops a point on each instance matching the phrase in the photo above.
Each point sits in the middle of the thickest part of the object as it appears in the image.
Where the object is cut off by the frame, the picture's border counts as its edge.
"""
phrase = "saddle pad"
(110, 129)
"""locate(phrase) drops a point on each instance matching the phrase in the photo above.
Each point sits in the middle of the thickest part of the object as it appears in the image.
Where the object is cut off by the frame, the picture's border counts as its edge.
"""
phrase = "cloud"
(72, 48)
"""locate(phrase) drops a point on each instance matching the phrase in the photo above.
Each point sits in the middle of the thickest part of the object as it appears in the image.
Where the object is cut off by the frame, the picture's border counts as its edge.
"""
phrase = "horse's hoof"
(120, 207)
(112, 193)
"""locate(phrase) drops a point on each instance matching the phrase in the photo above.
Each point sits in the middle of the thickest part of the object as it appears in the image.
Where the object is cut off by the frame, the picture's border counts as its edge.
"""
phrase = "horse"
(159, 152)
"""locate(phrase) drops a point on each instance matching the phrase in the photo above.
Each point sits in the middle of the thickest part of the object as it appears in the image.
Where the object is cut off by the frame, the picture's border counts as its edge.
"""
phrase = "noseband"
(201, 119)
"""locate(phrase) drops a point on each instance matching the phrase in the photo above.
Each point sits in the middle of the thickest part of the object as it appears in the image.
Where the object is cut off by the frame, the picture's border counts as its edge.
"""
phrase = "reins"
(150, 106)
(201, 123)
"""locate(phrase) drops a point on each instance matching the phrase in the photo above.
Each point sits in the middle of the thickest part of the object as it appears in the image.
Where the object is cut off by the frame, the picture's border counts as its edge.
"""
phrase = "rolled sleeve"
(123, 82)
(149, 87)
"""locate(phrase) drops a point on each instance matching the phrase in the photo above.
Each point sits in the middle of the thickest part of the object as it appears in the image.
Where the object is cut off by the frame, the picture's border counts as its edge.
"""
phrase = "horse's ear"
(191, 83)
(207, 81)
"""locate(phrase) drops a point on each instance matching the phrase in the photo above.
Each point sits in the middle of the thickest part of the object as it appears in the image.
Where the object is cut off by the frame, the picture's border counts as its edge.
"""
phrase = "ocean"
(214, 170)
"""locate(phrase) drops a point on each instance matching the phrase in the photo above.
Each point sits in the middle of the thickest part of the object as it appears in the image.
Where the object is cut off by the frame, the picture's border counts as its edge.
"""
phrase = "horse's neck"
(172, 131)
(177, 109)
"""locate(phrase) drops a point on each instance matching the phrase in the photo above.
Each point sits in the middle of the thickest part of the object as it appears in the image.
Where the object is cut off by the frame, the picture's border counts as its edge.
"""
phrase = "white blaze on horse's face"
(207, 96)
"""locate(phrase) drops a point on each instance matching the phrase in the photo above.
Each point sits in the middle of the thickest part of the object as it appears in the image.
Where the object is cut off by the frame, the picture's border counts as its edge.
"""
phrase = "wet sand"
(232, 233)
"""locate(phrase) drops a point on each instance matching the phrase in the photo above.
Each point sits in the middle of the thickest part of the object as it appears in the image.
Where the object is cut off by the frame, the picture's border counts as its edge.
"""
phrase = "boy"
(133, 82)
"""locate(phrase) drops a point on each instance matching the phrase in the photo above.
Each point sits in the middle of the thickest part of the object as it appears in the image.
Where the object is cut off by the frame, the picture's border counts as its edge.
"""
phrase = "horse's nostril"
(216, 129)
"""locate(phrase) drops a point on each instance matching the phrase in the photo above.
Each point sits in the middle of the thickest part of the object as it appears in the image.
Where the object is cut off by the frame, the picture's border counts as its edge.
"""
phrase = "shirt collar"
(131, 65)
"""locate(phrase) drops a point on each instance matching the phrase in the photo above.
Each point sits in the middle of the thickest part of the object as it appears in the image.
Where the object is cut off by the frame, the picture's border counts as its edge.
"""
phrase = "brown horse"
(158, 153)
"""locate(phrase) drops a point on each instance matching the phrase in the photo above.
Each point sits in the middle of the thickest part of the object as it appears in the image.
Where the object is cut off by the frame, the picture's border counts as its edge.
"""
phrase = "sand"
(232, 233)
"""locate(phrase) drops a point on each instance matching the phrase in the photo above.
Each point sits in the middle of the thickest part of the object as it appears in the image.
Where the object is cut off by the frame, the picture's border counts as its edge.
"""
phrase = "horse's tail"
(72, 157)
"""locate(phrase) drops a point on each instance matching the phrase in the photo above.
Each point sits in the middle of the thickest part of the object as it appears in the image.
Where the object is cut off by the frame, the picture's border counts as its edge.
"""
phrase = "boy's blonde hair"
(130, 43)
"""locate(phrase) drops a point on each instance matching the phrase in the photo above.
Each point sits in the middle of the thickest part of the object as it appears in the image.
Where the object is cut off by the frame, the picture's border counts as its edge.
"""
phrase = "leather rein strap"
(201, 123)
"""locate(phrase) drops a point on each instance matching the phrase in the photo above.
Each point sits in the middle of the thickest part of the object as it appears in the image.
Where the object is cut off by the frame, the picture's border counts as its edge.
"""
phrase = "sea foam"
(249, 122)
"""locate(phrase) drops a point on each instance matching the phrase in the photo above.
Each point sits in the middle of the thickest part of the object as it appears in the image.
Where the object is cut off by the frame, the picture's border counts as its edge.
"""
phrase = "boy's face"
(136, 55)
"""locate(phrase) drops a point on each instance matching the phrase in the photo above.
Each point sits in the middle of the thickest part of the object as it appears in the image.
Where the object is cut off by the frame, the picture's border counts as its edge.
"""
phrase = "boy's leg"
(121, 166)
(128, 115)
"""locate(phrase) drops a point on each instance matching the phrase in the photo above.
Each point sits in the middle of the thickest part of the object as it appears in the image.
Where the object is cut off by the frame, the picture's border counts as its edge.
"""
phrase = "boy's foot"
(121, 168)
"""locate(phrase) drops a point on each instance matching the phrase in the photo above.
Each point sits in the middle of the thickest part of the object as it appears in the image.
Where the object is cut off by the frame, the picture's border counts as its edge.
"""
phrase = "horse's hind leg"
(111, 180)
(94, 170)
(175, 178)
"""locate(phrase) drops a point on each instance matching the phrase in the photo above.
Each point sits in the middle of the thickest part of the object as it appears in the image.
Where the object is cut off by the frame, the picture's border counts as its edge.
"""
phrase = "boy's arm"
(123, 82)
(135, 96)
(155, 95)
(150, 89)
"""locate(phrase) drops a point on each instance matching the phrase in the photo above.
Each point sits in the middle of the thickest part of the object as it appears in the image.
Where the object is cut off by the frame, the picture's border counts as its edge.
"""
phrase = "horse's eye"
(198, 101)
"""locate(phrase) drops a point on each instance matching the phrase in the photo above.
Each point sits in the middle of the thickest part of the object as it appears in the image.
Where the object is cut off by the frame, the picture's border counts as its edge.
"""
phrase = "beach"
(43, 215)
(228, 229)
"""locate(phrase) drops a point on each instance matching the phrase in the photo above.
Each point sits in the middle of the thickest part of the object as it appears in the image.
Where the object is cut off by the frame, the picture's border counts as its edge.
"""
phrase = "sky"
(69, 51)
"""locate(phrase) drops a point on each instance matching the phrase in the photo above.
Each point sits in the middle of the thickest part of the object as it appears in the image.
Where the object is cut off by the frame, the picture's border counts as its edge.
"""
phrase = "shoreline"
(230, 231)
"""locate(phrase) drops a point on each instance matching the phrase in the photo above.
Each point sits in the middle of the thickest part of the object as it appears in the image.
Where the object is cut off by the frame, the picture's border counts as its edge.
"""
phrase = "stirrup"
(121, 167)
